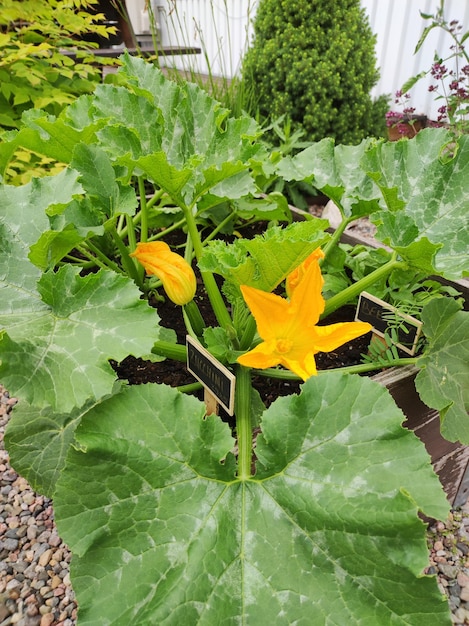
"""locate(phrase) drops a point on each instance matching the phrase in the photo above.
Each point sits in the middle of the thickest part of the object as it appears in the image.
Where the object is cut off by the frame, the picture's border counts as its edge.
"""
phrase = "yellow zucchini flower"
(288, 327)
(172, 269)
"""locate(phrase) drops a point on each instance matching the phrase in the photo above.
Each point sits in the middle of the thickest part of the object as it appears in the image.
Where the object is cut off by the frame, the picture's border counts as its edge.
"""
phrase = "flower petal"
(331, 337)
(153, 256)
(303, 369)
(306, 300)
(260, 357)
(288, 327)
(298, 273)
(270, 311)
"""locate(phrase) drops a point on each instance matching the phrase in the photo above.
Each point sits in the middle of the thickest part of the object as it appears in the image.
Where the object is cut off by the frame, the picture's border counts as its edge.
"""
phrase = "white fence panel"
(223, 29)
(398, 26)
(219, 27)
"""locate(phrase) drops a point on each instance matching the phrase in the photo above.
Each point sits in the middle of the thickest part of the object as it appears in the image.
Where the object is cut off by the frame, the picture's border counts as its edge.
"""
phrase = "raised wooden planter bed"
(450, 460)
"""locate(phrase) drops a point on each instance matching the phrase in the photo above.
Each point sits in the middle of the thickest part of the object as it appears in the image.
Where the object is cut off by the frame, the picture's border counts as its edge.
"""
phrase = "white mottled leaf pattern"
(56, 354)
(432, 192)
(412, 189)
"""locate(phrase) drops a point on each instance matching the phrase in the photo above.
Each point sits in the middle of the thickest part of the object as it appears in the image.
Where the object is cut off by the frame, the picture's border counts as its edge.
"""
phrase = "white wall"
(398, 26)
(219, 27)
(222, 29)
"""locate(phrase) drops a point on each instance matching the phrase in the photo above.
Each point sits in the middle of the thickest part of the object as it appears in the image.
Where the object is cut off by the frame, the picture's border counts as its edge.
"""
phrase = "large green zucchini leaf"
(415, 190)
(57, 353)
(37, 440)
(427, 194)
(335, 171)
(442, 381)
(326, 532)
(265, 260)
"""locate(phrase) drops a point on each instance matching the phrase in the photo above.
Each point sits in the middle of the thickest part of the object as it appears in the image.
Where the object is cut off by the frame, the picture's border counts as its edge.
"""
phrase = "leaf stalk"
(243, 421)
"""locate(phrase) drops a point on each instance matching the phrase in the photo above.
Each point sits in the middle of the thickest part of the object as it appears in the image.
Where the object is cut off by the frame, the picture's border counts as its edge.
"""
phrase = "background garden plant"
(315, 64)
(34, 71)
(449, 72)
(167, 519)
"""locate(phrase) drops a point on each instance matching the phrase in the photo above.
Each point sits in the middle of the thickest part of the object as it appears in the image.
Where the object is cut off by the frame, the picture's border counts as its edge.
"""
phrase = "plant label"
(383, 316)
(214, 376)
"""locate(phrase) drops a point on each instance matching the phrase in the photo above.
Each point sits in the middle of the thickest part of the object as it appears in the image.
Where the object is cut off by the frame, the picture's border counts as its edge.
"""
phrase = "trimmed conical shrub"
(314, 63)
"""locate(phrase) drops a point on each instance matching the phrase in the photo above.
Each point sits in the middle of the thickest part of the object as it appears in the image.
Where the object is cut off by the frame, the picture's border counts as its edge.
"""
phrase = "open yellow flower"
(172, 269)
(288, 327)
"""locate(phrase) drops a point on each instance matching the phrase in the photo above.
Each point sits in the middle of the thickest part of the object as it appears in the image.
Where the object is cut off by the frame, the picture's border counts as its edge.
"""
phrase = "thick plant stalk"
(335, 239)
(127, 262)
(346, 295)
(363, 368)
(243, 421)
(194, 317)
(214, 295)
(248, 333)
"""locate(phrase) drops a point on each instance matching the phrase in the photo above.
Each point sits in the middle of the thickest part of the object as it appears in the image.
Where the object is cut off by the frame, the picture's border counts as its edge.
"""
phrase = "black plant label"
(213, 375)
(388, 320)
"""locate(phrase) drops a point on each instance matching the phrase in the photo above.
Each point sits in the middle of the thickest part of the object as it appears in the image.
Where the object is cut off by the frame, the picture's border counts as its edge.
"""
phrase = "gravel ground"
(34, 563)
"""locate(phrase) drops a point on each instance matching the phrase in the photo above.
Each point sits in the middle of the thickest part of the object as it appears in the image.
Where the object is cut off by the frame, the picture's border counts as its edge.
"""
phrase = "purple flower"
(438, 71)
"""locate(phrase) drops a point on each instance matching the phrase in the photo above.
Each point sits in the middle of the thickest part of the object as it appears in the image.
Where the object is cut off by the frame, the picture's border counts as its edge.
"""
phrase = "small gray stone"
(450, 571)
(10, 544)
(454, 590)
(12, 584)
(31, 532)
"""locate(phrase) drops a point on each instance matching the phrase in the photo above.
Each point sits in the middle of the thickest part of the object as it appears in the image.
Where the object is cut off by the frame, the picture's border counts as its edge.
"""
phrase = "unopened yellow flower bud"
(172, 269)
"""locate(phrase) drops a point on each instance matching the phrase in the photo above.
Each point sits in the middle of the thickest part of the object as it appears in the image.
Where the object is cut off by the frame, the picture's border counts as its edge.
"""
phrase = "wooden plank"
(450, 460)
(114, 53)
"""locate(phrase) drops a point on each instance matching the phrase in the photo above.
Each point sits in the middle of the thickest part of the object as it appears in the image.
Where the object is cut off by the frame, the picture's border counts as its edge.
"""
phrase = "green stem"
(214, 295)
(351, 292)
(155, 197)
(351, 369)
(220, 226)
(337, 234)
(120, 224)
(99, 258)
(143, 210)
(163, 233)
(248, 333)
(190, 388)
(131, 235)
(243, 421)
(127, 262)
(138, 216)
(69, 258)
(195, 318)
(174, 351)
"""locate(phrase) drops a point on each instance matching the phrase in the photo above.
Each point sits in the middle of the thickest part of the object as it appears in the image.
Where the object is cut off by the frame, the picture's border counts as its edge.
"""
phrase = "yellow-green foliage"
(33, 72)
(315, 63)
